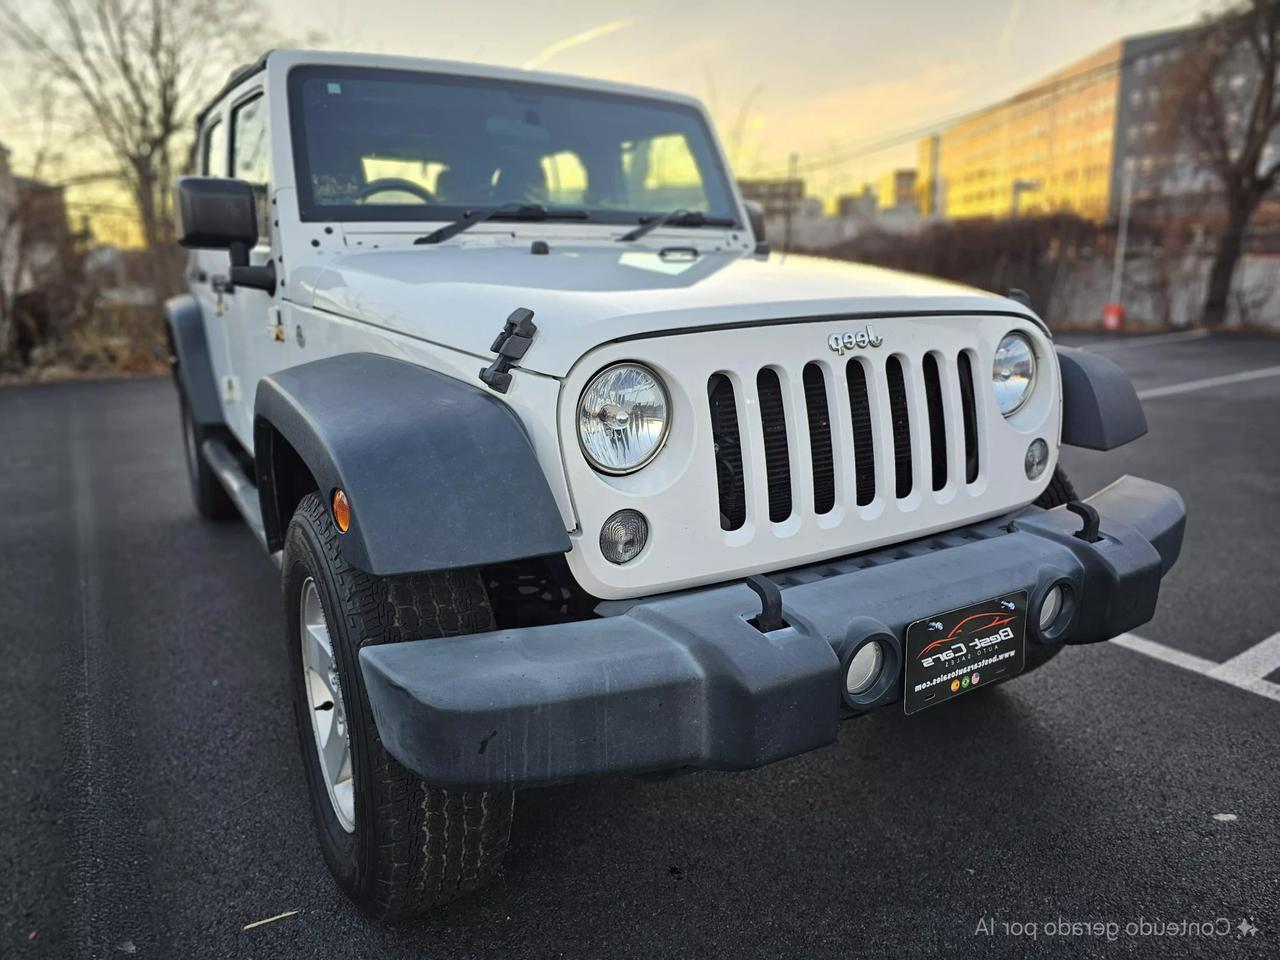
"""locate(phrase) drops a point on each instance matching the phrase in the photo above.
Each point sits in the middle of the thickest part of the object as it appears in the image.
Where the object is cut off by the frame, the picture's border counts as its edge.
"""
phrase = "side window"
(250, 154)
(566, 177)
(661, 173)
(213, 150)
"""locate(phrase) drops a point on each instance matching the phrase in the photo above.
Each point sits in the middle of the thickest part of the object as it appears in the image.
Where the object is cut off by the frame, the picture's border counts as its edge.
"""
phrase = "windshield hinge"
(510, 346)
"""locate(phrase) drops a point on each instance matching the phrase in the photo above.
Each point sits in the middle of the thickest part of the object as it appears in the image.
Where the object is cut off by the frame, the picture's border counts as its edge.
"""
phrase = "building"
(928, 180)
(8, 227)
(35, 238)
(46, 231)
(1070, 143)
(896, 190)
(776, 196)
(857, 205)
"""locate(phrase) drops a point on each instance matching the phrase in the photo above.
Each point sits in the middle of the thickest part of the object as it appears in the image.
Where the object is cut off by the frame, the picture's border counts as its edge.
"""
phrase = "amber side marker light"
(341, 511)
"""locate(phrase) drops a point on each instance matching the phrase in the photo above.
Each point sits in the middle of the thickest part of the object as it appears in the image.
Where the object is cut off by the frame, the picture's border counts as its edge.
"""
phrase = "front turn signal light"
(341, 510)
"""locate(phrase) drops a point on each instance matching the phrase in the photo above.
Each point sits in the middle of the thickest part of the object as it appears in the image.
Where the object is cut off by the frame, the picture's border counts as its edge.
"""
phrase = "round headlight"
(1013, 372)
(623, 418)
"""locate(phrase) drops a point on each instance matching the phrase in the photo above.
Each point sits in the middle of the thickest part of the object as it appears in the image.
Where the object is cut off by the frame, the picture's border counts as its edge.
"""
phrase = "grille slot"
(897, 384)
(728, 452)
(777, 457)
(937, 421)
(864, 457)
(824, 470)
(968, 407)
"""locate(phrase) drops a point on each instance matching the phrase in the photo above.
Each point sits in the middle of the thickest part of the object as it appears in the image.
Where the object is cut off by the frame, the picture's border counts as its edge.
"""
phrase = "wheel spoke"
(334, 749)
(324, 698)
(316, 650)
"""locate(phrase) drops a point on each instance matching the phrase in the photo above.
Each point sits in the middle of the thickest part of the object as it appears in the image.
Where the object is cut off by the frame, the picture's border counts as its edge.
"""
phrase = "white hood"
(585, 295)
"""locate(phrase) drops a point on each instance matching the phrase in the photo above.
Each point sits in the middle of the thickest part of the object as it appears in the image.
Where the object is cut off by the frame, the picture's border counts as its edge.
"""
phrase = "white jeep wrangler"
(567, 477)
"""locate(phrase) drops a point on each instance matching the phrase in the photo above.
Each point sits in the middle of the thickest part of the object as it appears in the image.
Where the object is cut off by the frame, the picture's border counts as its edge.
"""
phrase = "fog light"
(1037, 458)
(623, 536)
(1050, 608)
(864, 668)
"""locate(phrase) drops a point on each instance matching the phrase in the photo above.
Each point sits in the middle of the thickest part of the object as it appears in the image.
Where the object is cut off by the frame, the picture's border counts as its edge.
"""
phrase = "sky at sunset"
(814, 77)
(810, 76)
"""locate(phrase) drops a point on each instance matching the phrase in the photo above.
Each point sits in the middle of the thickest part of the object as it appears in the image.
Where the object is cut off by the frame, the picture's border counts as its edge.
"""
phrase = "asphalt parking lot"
(154, 806)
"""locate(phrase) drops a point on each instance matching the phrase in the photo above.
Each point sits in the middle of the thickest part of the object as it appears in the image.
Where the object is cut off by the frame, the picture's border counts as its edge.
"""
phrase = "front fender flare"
(439, 473)
(1100, 408)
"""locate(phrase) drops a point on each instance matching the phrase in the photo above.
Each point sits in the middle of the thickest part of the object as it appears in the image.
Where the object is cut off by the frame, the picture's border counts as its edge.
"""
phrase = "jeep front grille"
(908, 391)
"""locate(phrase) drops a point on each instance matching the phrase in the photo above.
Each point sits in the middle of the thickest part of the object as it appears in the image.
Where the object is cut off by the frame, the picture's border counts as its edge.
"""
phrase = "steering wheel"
(383, 184)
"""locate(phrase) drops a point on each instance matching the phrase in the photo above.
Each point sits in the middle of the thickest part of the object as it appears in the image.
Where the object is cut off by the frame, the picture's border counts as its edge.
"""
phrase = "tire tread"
(432, 845)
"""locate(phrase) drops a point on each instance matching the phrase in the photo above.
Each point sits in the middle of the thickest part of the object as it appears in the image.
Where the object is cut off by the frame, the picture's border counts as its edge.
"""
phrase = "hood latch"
(511, 345)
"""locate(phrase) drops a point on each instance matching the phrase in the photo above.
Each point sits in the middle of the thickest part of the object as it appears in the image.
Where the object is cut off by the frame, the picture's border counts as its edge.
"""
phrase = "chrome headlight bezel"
(1020, 337)
(664, 392)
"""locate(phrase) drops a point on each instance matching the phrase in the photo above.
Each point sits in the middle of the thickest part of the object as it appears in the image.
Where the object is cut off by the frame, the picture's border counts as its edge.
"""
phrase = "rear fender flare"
(189, 357)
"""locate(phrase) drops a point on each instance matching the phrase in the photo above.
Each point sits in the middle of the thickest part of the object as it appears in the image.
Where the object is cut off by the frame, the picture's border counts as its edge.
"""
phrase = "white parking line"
(1188, 386)
(1258, 661)
(1127, 342)
(1245, 671)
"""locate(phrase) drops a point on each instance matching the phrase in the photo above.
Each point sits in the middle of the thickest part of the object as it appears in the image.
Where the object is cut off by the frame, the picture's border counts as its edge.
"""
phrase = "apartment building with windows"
(1072, 143)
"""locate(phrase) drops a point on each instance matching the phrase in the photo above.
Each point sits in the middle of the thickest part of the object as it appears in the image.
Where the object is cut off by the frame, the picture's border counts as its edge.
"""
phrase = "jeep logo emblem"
(840, 342)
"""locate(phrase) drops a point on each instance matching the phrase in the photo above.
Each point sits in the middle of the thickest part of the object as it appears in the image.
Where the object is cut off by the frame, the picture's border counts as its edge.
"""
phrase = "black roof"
(236, 77)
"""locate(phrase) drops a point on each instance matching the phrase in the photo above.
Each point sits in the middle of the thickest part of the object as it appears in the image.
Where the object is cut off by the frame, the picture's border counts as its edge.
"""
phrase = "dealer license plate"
(955, 652)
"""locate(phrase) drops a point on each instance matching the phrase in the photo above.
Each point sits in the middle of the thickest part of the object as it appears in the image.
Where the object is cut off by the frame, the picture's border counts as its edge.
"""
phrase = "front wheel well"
(283, 480)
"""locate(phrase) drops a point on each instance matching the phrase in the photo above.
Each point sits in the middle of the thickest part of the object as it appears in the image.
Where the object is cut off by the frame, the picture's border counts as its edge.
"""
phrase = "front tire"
(1059, 491)
(397, 846)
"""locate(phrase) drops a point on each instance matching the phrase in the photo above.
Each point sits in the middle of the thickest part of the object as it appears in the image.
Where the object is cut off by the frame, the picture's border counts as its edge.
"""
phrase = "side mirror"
(214, 213)
(755, 216)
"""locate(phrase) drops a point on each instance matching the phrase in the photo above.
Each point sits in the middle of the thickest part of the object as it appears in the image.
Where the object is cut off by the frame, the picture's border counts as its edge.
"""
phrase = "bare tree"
(138, 71)
(1223, 104)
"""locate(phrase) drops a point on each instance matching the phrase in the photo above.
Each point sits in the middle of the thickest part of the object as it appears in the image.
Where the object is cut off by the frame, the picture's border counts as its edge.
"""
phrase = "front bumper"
(685, 681)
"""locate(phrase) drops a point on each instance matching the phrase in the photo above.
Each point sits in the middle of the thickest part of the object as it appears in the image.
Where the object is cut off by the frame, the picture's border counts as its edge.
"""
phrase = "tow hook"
(1089, 531)
(770, 617)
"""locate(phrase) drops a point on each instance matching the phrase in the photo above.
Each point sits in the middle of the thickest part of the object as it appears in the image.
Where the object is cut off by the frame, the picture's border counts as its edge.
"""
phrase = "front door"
(250, 316)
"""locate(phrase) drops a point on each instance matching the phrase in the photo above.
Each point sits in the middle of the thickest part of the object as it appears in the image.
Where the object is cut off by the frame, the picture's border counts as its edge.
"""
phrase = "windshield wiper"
(507, 211)
(676, 218)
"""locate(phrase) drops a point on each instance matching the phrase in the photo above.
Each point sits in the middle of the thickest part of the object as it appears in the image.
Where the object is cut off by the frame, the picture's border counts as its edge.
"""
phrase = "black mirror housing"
(214, 213)
(755, 216)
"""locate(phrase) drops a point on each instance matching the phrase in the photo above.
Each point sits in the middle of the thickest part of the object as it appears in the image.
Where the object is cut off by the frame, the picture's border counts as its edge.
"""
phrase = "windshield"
(398, 145)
